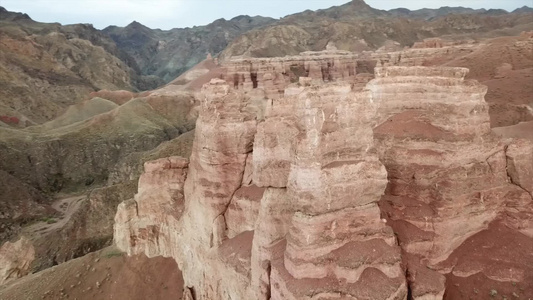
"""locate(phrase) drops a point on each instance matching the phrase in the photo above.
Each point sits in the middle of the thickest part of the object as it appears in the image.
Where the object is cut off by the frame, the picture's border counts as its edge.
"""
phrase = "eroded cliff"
(333, 190)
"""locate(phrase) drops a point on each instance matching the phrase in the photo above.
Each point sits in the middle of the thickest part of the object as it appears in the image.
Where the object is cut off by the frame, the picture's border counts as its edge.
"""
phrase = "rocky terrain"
(87, 143)
(84, 151)
(339, 189)
(375, 172)
(169, 53)
(356, 27)
(63, 63)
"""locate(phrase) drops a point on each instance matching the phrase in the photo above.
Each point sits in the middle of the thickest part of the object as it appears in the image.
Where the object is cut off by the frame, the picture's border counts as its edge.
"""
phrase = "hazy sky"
(166, 14)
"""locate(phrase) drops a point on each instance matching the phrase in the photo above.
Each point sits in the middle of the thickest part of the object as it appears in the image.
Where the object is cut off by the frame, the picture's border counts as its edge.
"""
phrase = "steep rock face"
(334, 184)
(273, 75)
(281, 196)
(503, 64)
(423, 54)
(448, 175)
(139, 222)
(223, 141)
(222, 183)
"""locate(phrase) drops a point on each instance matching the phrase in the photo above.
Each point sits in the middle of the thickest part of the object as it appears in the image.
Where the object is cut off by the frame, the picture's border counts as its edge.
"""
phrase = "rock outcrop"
(449, 177)
(334, 184)
(288, 198)
(15, 259)
(275, 74)
(140, 225)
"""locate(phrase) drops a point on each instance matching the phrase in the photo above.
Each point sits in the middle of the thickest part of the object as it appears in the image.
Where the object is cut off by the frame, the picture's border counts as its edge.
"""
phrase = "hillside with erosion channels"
(169, 53)
(344, 153)
(62, 63)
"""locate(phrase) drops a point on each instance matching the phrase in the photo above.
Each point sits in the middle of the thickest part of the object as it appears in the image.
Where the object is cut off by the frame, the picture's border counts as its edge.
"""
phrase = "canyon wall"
(273, 75)
(332, 190)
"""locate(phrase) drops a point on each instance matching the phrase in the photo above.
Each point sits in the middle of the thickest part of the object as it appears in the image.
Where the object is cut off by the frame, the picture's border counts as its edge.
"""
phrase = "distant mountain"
(46, 67)
(6, 15)
(427, 13)
(169, 53)
(355, 26)
(523, 9)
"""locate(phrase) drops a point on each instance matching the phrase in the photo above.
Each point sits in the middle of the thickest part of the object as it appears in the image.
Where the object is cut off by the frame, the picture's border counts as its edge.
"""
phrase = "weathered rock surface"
(15, 259)
(231, 253)
(334, 184)
(139, 221)
(288, 198)
(448, 175)
(275, 74)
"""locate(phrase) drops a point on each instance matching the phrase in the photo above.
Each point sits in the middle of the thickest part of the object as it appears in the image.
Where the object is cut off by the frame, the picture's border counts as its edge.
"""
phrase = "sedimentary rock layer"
(289, 198)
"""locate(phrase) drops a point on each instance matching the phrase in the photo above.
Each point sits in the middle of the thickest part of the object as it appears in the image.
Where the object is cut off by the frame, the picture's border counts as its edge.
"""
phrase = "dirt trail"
(66, 207)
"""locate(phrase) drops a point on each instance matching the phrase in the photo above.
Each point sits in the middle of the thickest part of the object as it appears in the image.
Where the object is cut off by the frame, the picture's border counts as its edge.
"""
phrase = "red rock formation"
(275, 74)
(422, 54)
(147, 223)
(448, 175)
(334, 183)
(280, 199)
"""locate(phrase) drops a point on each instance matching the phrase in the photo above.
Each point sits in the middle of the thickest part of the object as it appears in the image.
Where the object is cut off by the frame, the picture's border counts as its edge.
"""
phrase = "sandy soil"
(500, 251)
(522, 130)
(106, 274)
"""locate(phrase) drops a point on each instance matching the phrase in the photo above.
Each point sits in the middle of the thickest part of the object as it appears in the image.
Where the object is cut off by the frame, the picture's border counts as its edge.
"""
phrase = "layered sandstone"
(240, 208)
(140, 222)
(423, 53)
(275, 74)
(280, 198)
(449, 177)
(334, 183)
(216, 187)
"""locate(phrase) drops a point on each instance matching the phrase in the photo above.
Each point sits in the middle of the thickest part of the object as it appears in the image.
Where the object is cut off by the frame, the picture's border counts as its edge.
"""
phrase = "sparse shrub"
(113, 253)
(49, 220)
(493, 293)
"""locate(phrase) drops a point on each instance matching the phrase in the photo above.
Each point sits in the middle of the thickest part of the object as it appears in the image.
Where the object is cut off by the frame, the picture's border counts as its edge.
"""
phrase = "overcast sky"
(166, 14)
